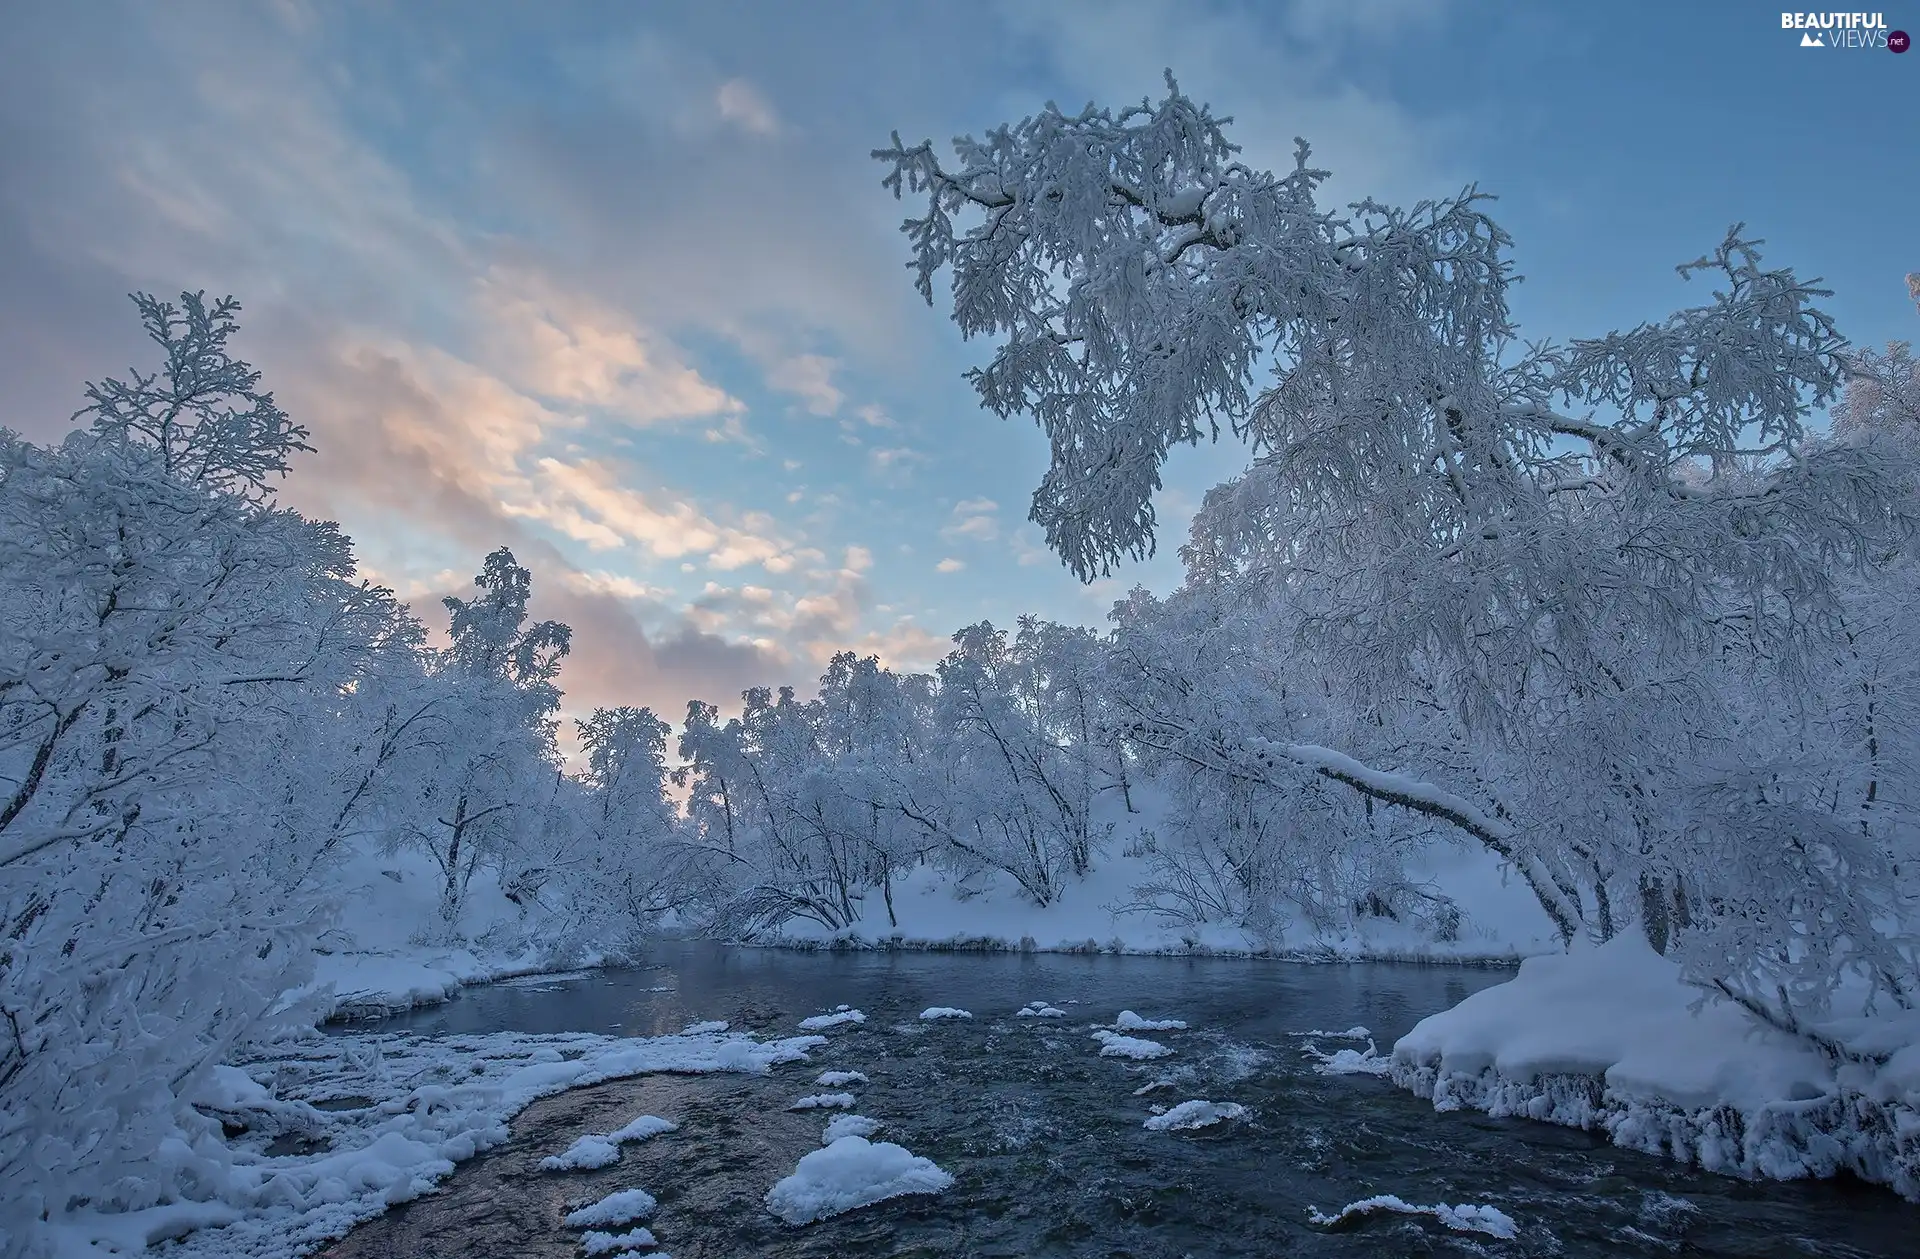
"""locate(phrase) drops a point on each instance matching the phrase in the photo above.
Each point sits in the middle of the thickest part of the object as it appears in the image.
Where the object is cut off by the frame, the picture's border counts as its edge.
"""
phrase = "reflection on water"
(1045, 1137)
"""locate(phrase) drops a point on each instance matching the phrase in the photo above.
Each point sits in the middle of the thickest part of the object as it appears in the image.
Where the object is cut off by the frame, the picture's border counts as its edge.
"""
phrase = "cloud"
(808, 377)
(973, 519)
(903, 646)
(567, 347)
(742, 104)
(949, 565)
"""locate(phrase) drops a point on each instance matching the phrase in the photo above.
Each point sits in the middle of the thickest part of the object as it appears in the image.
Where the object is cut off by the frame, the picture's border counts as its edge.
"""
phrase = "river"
(1045, 1137)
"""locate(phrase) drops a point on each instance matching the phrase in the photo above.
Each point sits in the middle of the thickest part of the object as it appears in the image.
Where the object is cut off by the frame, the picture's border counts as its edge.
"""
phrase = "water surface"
(1044, 1136)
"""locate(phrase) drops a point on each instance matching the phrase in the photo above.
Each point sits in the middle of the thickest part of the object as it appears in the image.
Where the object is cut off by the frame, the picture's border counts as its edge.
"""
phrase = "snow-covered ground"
(1609, 1038)
(387, 1117)
(378, 958)
(936, 910)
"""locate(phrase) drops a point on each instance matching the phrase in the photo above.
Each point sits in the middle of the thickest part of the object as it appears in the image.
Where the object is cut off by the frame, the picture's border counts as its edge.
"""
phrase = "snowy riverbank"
(1608, 1039)
(932, 910)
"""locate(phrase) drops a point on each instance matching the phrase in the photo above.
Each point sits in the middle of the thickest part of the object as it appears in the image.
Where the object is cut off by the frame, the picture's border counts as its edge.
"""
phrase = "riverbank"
(1609, 1039)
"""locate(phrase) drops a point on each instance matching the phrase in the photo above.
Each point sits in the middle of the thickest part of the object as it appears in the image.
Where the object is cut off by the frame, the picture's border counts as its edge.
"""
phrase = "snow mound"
(848, 1126)
(589, 1153)
(1608, 1038)
(1195, 1114)
(1465, 1219)
(823, 1101)
(945, 1012)
(833, 1079)
(602, 1149)
(1131, 1022)
(617, 1243)
(850, 1173)
(820, 1022)
(1350, 1061)
(1039, 1010)
(613, 1210)
(1114, 1045)
(702, 1029)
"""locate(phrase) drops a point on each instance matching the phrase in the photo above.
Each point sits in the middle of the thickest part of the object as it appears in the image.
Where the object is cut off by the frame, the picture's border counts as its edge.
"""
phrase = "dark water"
(1044, 1137)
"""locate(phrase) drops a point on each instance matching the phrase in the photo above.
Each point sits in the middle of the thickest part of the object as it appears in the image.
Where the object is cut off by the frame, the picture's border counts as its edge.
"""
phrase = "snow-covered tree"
(1520, 573)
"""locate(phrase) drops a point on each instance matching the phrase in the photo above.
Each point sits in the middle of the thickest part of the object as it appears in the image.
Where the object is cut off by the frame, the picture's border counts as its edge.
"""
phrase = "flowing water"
(1045, 1137)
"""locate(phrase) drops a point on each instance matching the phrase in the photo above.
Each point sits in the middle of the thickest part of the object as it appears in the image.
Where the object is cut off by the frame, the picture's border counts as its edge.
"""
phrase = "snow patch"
(823, 1101)
(848, 1126)
(945, 1012)
(703, 1029)
(833, 1079)
(852, 1172)
(1369, 1061)
(1195, 1114)
(1465, 1219)
(615, 1209)
(820, 1022)
(602, 1149)
(1114, 1045)
(1131, 1022)
(617, 1243)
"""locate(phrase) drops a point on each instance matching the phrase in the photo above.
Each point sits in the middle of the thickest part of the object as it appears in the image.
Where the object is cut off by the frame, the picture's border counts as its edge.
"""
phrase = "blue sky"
(615, 284)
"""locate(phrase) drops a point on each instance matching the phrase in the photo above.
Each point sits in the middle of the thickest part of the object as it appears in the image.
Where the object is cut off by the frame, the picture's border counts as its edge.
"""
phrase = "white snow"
(1608, 1038)
(598, 1149)
(1465, 1219)
(852, 1172)
(833, 1079)
(615, 1209)
(701, 1029)
(1039, 1010)
(1352, 1033)
(434, 1102)
(848, 1126)
(1369, 1061)
(597, 1243)
(822, 1101)
(945, 1012)
(820, 1022)
(1114, 1045)
(1131, 1022)
(1195, 1114)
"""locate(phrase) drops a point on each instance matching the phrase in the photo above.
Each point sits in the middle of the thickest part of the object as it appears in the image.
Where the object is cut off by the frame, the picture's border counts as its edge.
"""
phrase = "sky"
(616, 285)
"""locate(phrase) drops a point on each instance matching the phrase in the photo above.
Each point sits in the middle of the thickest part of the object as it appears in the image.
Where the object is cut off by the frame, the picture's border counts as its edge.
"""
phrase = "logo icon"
(1810, 40)
(1897, 41)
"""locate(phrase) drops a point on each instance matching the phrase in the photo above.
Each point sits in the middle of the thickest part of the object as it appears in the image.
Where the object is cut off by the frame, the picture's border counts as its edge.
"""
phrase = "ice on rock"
(823, 1101)
(1195, 1114)
(945, 1012)
(587, 1154)
(1039, 1010)
(850, 1173)
(1465, 1219)
(1131, 1022)
(613, 1210)
(702, 1029)
(1114, 1045)
(618, 1243)
(1352, 1033)
(834, 1079)
(1351, 1061)
(820, 1022)
(848, 1126)
(602, 1149)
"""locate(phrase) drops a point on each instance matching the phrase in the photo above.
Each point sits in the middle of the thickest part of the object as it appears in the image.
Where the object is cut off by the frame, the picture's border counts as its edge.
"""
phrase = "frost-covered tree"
(1520, 572)
(497, 763)
(173, 646)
